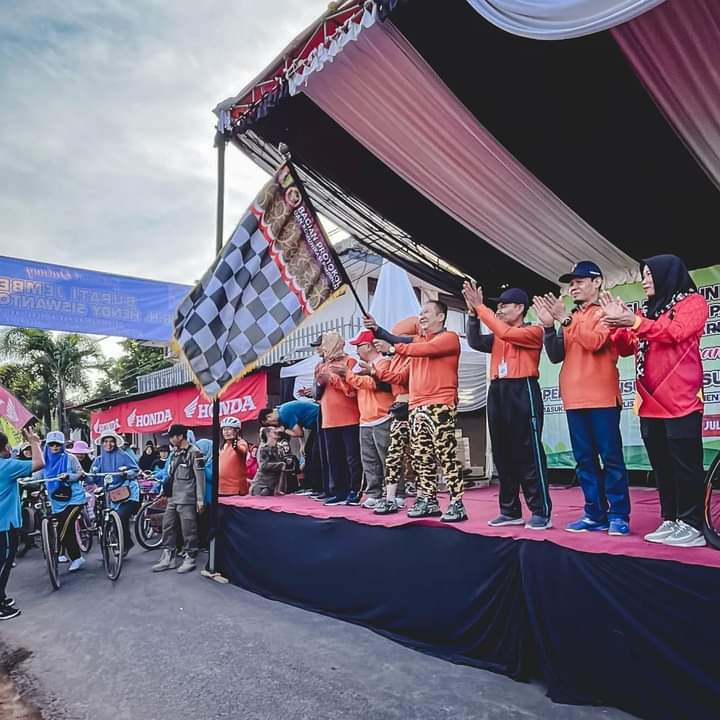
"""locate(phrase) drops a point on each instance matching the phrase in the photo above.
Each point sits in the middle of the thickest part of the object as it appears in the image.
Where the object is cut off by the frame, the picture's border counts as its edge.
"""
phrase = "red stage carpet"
(482, 505)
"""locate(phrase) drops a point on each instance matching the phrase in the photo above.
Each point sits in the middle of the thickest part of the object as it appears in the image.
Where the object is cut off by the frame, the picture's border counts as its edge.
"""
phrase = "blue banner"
(53, 297)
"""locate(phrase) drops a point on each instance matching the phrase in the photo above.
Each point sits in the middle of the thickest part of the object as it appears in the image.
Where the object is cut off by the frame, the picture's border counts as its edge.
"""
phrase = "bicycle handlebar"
(37, 481)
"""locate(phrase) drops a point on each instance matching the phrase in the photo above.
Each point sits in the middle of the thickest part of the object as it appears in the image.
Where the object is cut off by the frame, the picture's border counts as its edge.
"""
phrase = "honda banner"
(243, 399)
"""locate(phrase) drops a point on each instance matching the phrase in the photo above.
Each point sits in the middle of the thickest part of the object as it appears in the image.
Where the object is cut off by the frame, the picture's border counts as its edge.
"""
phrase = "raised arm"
(478, 340)
(442, 345)
(528, 336)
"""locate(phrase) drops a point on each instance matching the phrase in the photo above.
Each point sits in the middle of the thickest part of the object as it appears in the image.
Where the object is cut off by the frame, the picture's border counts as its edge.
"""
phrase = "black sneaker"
(425, 508)
(8, 613)
(455, 512)
(322, 497)
(8, 602)
(386, 507)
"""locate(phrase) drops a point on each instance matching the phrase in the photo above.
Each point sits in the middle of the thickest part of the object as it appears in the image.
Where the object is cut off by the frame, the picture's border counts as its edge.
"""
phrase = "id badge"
(502, 370)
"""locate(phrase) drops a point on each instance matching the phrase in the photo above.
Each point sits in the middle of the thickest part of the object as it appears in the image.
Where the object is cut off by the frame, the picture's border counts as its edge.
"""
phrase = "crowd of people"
(366, 422)
(366, 425)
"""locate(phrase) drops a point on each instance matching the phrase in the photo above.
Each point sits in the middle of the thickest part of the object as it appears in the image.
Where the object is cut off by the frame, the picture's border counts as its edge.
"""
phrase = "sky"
(106, 126)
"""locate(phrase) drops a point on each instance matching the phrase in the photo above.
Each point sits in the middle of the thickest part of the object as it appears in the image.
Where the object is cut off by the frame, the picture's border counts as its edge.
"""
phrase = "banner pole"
(220, 144)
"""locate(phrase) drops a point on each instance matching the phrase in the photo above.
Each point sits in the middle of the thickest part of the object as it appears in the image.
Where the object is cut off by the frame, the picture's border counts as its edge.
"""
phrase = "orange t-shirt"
(338, 404)
(589, 377)
(432, 370)
(518, 347)
(233, 469)
(373, 404)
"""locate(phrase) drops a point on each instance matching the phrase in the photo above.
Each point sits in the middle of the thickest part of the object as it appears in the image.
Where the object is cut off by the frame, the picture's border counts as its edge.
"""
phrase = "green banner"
(556, 436)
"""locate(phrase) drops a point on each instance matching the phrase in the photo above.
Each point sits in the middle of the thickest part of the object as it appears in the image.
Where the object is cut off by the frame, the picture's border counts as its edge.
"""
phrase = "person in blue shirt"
(112, 459)
(296, 417)
(11, 470)
(67, 495)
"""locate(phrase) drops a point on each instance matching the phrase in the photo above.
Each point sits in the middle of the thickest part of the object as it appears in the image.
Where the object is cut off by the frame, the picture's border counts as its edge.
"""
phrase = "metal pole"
(220, 143)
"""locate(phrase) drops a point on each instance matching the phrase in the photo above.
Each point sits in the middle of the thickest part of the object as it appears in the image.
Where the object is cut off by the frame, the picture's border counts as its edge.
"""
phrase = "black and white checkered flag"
(277, 268)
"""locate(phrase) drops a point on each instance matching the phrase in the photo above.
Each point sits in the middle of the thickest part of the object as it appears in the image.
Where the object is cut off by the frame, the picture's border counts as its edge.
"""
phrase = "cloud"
(106, 152)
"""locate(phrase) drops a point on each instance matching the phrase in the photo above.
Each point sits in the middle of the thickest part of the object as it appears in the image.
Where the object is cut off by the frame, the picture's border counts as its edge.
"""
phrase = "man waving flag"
(277, 268)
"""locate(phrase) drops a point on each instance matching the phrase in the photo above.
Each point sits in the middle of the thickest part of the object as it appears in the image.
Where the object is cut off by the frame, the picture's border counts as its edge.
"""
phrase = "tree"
(59, 363)
(121, 373)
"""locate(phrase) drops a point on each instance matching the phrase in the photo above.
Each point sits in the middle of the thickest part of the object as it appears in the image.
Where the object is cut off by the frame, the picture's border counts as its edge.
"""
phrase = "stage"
(599, 619)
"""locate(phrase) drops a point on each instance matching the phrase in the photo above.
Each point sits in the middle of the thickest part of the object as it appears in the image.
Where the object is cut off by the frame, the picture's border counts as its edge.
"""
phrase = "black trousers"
(313, 474)
(66, 530)
(675, 449)
(515, 419)
(8, 549)
(126, 510)
(343, 452)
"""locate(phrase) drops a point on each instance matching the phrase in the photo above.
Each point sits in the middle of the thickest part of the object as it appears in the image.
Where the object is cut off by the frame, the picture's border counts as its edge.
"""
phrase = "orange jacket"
(432, 370)
(373, 404)
(338, 403)
(233, 469)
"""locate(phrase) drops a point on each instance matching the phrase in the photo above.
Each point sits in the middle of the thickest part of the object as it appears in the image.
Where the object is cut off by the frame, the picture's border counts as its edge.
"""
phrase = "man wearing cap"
(432, 377)
(590, 390)
(514, 404)
(186, 475)
(374, 400)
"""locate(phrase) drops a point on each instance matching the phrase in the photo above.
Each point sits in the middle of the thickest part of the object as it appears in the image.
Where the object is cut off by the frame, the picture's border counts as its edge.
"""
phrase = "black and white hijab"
(672, 284)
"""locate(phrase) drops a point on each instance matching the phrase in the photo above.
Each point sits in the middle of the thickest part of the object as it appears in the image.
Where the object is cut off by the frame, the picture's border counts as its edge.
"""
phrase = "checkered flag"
(277, 268)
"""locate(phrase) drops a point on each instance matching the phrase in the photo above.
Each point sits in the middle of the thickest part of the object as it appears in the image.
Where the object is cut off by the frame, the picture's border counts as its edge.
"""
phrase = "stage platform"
(599, 619)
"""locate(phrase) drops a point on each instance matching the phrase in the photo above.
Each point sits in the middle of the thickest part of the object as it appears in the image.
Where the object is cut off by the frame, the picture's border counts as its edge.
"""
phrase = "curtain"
(384, 94)
(675, 50)
(559, 19)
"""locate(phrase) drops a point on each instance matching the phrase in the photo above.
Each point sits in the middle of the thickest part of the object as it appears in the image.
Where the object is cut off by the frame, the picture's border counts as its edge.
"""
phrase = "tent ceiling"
(572, 111)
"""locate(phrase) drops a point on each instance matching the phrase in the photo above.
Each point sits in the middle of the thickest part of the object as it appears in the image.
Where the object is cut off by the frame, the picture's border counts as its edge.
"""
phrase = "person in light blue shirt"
(67, 496)
(111, 460)
(11, 470)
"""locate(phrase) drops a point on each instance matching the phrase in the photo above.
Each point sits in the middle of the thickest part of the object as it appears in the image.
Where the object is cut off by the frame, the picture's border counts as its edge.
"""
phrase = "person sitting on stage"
(233, 459)
(298, 417)
(665, 338)
(340, 423)
(590, 391)
(271, 463)
(432, 375)
(374, 401)
(514, 403)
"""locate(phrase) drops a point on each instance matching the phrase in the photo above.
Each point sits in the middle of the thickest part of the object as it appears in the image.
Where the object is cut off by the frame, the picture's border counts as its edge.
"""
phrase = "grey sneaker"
(372, 502)
(425, 508)
(666, 529)
(400, 502)
(167, 562)
(685, 536)
(538, 522)
(455, 512)
(187, 566)
(502, 520)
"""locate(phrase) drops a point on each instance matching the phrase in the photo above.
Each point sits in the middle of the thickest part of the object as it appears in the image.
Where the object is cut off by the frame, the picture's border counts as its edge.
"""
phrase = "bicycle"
(109, 527)
(148, 520)
(712, 504)
(48, 529)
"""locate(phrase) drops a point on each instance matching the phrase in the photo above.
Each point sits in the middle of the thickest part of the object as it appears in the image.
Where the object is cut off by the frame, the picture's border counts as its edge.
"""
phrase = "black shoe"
(8, 613)
(322, 497)
(386, 507)
(455, 512)
(8, 602)
(425, 508)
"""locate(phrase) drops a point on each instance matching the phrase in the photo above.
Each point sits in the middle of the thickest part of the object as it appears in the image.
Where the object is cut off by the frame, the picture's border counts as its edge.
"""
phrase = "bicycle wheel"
(51, 551)
(712, 504)
(112, 545)
(148, 524)
(83, 533)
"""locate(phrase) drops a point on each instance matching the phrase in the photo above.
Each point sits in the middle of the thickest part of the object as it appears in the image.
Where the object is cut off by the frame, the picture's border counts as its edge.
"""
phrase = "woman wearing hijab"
(67, 496)
(149, 457)
(665, 337)
(340, 422)
(113, 459)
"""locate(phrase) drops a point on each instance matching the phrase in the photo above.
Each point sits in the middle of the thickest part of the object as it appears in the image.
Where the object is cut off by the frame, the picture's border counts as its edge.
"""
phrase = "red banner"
(243, 399)
(13, 410)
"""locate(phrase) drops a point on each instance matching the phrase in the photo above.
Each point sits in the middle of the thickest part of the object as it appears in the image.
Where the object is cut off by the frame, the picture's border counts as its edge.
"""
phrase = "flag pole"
(284, 150)
(220, 144)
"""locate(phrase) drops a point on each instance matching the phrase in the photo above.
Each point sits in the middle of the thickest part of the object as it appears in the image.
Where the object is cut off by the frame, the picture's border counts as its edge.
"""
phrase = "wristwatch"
(566, 321)
(391, 350)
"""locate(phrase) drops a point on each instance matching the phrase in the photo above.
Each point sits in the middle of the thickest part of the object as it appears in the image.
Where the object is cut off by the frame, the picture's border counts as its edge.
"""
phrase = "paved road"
(171, 647)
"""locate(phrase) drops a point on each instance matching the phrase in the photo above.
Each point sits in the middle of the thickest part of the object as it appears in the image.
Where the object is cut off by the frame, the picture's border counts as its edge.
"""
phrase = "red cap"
(365, 336)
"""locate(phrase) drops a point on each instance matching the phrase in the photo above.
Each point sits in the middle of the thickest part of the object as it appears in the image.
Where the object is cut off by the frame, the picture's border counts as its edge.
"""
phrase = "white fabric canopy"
(560, 19)
(394, 298)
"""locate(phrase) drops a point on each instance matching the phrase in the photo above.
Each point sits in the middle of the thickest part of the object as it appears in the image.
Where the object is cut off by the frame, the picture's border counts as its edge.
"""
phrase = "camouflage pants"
(434, 448)
(398, 454)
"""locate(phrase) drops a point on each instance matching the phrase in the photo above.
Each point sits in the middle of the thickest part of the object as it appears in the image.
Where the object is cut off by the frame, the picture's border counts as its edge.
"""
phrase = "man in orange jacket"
(590, 391)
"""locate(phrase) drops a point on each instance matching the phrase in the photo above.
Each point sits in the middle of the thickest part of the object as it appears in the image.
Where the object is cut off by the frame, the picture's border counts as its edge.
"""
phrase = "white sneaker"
(76, 564)
(666, 529)
(685, 536)
(400, 502)
(63, 559)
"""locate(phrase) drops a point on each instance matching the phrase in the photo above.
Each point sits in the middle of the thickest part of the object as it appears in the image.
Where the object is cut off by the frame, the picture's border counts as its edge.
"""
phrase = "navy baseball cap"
(514, 296)
(584, 269)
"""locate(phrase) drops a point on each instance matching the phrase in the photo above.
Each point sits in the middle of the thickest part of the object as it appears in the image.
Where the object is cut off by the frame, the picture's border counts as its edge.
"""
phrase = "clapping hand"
(542, 310)
(473, 296)
(615, 313)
